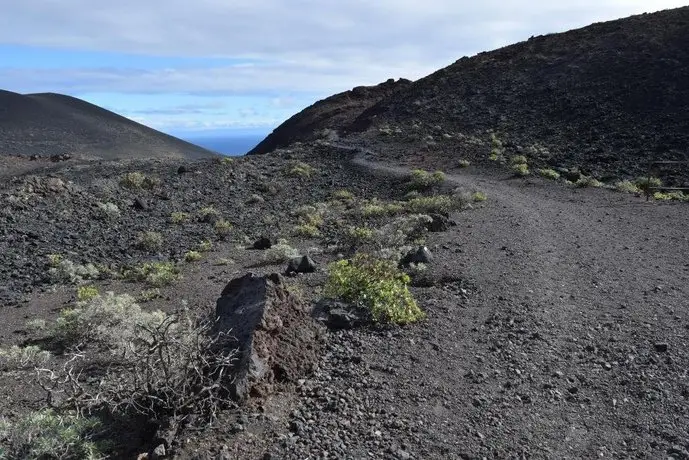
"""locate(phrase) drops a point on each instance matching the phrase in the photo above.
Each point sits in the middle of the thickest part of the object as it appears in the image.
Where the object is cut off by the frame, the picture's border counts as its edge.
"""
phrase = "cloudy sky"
(183, 65)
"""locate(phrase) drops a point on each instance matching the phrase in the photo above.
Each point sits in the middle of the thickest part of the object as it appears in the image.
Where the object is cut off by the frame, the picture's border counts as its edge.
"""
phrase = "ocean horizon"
(228, 144)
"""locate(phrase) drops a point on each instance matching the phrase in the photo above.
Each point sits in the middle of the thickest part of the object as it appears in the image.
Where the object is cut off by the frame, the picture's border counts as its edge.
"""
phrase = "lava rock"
(660, 347)
(422, 255)
(303, 264)
(438, 223)
(274, 337)
(182, 169)
(140, 204)
(263, 243)
(336, 315)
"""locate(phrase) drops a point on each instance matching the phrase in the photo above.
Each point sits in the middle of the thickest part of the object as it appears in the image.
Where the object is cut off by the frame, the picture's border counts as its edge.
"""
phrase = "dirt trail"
(580, 291)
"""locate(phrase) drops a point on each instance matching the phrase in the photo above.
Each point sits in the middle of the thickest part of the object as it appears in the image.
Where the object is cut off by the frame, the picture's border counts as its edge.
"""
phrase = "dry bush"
(170, 367)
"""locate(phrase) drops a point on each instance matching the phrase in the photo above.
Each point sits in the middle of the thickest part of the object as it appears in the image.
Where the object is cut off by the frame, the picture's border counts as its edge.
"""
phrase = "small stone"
(182, 169)
(159, 452)
(660, 347)
(263, 243)
(301, 265)
(140, 204)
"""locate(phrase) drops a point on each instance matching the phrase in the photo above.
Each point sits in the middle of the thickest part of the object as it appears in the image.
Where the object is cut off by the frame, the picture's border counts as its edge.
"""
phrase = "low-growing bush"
(179, 217)
(375, 208)
(343, 195)
(519, 160)
(85, 293)
(307, 231)
(376, 285)
(478, 196)
(549, 174)
(422, 180)
(16, 357)
(149, 294)
(359, 235)
(520, 169)
(279, 253)
(139, 180)
(626, 186)
(65, 271)
(464, 163)
(435, 204)
(208, 214)
(45, 434)
(192, 256)
(222, 228)
(110, 321)
(301, 170)
(150, 241)
(156, 274)
(205, 246)
(645, 183)
(588, 181)
(108, 211)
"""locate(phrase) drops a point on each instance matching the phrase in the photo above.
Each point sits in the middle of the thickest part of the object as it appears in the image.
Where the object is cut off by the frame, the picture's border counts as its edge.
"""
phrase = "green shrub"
(375, 208)
(149, 294)
(549, 174)
(156, 274)
(464, 163)
(359, 235)
(478, 196)
(626, 186)
(520, 169)
(150, 241)
(422, 180)
(222, 228)
(178, 218)
(435, 204)
(393, 236)
(16, 357)
(192, 256)
(375, 284)
(660, 196)
(208, 214)
(108, 211)
(307, 231)
(85, 293)
(111, 322)
(205, 246)
(497, 156)
(300, 170)
(645, 183)
(279, 253)
(139, 180)
(45, 435)
(519, 160)
(66, 271)
(588, 181)
(343, 195)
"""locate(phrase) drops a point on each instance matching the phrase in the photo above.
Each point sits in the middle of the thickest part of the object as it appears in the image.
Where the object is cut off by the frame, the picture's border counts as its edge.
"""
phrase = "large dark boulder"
(421, 255)
(263, 243)
(276, 339)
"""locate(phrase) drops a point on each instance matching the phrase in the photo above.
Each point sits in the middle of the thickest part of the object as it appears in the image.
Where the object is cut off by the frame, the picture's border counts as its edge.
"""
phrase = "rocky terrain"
(55, 125)
(552, 319)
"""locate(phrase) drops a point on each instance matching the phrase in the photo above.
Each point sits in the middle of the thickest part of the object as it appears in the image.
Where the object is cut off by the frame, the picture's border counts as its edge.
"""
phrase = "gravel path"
(562, 335)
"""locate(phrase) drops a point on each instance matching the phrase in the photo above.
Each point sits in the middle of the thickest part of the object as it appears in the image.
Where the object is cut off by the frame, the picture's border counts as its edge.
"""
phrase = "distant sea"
(231, 145)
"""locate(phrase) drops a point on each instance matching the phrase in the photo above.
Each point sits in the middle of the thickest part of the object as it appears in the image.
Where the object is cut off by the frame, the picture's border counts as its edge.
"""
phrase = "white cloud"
(308, 47)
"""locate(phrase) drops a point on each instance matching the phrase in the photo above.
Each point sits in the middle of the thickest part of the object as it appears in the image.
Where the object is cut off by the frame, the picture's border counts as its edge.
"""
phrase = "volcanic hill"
(49, 125)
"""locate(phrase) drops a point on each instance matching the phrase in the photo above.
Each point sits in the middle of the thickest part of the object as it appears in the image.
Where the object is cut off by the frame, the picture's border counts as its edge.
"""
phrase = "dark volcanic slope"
(605, 97)
(55, 124)
(608, 93)
(331, 113)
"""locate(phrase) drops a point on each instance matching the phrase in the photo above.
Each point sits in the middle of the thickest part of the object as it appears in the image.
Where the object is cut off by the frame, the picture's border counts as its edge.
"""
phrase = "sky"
(227, 66)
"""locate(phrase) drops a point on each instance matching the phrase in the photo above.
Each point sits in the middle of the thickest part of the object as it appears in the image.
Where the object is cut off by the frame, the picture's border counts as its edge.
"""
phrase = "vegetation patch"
(435, 204)
(463, 163)
(307, 231)
(86, 293)
(423, 180)
(478, 197)
(46, 435)
(155, 274)
(301, 170)
(222, 228)
(16, 357)
(588, 181)
(646, 183)
(179, 217)
(627, 186)
(150, 241)
(192, 256)
(280, 252)
(520, 169)
(65, 271)
(549, 174)
(376, 285)
(136, 180)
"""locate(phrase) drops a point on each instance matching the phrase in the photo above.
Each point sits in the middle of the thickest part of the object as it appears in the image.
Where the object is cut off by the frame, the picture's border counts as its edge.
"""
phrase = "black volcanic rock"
(59, 127)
